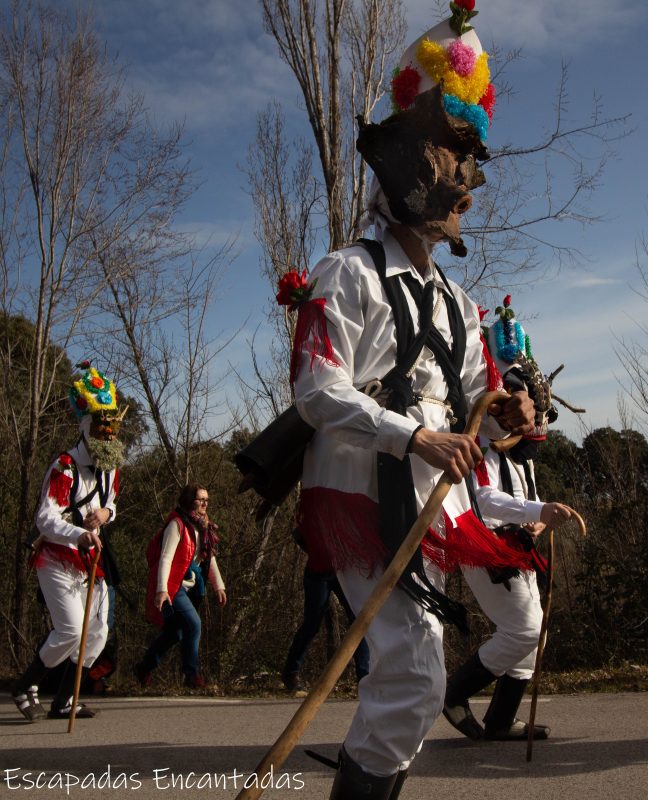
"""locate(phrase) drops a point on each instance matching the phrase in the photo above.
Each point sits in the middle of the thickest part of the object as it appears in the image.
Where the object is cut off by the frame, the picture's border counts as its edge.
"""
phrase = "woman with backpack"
(182, 559)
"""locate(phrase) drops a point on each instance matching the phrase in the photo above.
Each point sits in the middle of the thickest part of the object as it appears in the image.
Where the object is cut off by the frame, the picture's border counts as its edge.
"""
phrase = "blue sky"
(210, 63)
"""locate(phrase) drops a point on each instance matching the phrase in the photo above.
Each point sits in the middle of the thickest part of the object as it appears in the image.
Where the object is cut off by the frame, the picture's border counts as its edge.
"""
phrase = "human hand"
(221, 597)
(534, 529)
(88, 540)
(160, 599)
(454, 453)
(95, 519)
(555, 514)
(516, 414)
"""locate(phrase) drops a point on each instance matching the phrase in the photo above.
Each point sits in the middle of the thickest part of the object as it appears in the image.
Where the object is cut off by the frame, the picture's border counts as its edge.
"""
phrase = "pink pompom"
(462, 58)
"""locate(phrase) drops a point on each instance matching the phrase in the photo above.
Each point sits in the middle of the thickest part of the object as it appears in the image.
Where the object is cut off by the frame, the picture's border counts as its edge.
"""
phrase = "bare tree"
(633, 353)
(154, 313)
(339, 51)
(517, 212)
(81, 170)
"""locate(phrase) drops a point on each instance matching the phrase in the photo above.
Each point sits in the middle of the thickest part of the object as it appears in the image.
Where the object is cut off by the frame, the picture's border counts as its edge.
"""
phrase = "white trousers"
(65, 591)
(517, 616)
(403, 693)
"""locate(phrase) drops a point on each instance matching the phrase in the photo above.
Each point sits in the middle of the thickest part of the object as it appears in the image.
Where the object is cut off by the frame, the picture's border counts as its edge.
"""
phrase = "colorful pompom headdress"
(425, 154)
(510, 347)
(93, 394)
(450, 55)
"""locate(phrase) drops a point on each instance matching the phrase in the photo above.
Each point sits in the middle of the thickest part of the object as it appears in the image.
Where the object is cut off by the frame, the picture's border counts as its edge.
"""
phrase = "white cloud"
(594, 281)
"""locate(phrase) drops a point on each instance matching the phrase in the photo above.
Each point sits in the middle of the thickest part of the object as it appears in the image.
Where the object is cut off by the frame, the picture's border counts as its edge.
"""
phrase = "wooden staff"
(84, 636)
(284, 745)
(542, 639)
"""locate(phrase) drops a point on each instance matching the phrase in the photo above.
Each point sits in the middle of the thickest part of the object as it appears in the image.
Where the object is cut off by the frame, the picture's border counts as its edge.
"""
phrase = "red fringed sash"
(468, 543)
(340, 530)
(311, 324)
(62, 552)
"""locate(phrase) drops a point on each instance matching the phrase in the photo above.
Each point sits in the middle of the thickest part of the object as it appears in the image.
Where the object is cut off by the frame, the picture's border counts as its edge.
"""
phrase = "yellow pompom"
(432, 57)
(470, 88)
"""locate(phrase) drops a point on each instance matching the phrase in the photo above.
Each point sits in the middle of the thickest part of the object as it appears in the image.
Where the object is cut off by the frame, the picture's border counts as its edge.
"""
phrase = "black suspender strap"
(396, 495)
(505, 474)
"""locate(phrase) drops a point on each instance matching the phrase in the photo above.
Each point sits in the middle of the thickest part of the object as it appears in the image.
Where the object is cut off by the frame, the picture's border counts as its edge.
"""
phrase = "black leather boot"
(500, 721)
(25, 690)
(462, 685)
(353, 783)
(62, 703)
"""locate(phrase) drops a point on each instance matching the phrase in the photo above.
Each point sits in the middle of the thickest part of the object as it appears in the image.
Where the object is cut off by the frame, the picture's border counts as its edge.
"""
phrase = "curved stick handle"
(82, 643)
(502, 445)
(284, 745)
(582, 528)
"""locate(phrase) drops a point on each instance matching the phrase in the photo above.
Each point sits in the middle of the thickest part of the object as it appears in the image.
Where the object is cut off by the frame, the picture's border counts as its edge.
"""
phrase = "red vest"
(181, 560)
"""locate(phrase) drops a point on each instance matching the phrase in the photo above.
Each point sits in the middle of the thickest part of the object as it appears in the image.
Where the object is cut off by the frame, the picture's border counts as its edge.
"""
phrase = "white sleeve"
(53, 525)
(170, 542)
(499, 505)
(324, 394)
(214, 576)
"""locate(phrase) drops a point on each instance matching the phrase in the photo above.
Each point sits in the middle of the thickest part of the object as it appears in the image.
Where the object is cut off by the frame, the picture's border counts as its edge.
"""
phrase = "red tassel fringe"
(468, 543)
(69, 554)
(513, 540)
(311, 325)
(340, 530)
(494, 379)
(59, 488)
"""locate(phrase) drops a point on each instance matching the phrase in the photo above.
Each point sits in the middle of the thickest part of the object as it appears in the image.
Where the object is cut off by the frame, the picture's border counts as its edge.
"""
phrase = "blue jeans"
(317, 592)
(181, 624)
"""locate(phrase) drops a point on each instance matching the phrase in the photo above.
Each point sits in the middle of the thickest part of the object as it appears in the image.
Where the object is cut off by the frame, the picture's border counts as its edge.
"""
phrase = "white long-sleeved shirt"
(55, 526)
(497, 506)
(170, 542)
(350, 426)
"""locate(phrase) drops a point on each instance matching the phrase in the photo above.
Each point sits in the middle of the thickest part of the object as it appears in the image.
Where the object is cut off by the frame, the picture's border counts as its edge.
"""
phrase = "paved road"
(137, 747)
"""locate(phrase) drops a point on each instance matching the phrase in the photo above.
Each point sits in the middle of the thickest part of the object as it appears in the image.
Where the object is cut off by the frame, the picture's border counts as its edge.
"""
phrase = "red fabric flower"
(487, 101)
(81, 403)
(507, 301)
(293, 288)
(97, 382)
(467, 4)
(405, 87)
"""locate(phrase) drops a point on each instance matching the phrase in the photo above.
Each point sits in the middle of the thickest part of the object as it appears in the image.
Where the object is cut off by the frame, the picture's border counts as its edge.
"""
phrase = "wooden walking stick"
(284, 745)
(542, 639)
(84, 636)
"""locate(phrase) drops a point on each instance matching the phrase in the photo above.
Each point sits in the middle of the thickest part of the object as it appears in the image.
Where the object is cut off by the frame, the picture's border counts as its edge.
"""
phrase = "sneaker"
(194, 681)
(144, 676)
(28, 704)
(82, 712)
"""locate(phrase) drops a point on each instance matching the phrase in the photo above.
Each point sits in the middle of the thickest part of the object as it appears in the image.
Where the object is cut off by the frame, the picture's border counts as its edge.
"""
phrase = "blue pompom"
(473, 114)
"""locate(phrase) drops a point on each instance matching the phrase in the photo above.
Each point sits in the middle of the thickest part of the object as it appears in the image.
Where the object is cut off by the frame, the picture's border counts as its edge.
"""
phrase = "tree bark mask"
(426, 163)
